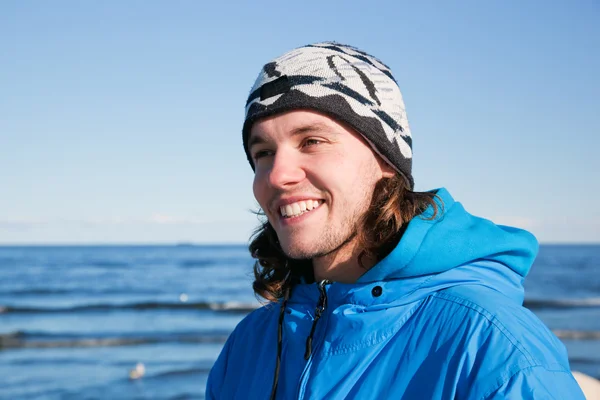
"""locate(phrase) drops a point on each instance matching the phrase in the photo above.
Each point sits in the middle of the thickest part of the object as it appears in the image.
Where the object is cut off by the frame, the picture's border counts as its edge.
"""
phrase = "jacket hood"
(453, 249)
(453, 238)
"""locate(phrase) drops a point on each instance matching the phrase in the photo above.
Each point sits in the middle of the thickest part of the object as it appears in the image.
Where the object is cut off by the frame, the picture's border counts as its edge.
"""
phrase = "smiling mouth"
(298, 208)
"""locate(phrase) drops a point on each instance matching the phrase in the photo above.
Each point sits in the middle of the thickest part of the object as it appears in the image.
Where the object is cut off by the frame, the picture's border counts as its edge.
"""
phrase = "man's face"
(314, 179)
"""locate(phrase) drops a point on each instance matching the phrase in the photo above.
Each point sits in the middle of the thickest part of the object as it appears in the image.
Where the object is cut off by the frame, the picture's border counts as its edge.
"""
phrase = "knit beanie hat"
(343, 82)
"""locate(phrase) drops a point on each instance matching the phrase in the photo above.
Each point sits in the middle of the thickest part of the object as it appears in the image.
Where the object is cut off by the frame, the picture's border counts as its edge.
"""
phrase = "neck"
(341, 265)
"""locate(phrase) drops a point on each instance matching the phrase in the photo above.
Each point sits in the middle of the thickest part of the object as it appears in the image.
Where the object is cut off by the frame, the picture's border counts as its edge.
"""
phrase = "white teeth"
(295, 209)
(289, 211)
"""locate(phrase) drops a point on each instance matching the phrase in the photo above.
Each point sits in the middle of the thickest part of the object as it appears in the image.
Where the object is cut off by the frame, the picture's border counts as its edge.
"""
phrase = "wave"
(38, 361)
(582, 360)
(28, 340)
(182, 372)
(206, 262)
(6, 261)
(577, 335)
(186, 396)
(197, 263)
(106, 264)
(233, 307)
(79, 291)
(562, 303)
(100, 263)
(24, 339)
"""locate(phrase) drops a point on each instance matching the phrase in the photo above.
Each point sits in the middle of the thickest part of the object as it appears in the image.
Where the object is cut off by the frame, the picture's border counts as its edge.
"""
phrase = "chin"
(299, 251)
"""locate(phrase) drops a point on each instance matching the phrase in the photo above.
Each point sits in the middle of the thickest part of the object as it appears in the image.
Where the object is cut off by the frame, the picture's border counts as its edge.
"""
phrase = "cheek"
(258, 188)
(362, 180)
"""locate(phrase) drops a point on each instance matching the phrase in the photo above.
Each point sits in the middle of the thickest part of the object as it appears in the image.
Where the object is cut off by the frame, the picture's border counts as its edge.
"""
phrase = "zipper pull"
(321, 305)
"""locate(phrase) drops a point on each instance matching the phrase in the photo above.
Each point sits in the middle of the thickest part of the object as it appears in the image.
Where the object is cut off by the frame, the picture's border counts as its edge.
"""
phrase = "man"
(375, 291)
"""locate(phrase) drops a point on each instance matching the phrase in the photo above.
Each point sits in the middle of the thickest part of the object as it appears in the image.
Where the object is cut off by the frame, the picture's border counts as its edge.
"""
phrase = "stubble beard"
(333, 238)
(325, 244)
(329, 241)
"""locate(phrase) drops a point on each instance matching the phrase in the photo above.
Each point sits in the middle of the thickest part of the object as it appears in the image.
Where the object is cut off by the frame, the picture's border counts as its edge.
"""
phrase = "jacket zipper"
(321, 305)
(319, 310)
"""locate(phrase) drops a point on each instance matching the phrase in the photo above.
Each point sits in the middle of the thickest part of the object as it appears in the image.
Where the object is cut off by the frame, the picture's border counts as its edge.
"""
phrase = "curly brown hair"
(392, 206)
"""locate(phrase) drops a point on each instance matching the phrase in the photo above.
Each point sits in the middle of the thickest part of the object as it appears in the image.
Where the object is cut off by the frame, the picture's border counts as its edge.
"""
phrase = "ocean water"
(74, 321)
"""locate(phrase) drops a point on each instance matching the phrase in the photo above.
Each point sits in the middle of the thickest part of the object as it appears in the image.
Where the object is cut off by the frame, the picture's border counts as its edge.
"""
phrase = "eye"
(312, 142)
(261, 154)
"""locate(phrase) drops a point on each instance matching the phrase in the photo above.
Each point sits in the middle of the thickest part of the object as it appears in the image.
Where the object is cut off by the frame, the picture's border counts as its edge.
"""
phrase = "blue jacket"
(440, 317)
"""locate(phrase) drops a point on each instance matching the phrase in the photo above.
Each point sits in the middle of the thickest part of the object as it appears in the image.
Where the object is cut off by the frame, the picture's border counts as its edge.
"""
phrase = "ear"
(387, 171)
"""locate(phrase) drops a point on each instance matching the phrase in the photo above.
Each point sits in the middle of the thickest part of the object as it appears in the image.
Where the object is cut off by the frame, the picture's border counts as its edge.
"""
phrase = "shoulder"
(253, 335)
(506, 347)
(512, 325)
(256, 326)
(247, 352)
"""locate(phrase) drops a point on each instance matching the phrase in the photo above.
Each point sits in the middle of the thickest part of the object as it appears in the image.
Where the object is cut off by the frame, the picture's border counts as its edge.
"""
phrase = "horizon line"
(205, 244)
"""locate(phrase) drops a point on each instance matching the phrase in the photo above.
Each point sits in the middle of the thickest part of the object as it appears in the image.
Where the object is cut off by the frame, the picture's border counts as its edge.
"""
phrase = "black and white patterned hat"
(343, 82)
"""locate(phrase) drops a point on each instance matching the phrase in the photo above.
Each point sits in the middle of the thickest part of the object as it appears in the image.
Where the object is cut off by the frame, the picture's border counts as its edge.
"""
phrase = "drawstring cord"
(321, 305)
(279, 342)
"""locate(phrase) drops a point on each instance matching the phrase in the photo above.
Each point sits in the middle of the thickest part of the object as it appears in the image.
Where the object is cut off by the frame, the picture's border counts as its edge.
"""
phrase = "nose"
(286, 170)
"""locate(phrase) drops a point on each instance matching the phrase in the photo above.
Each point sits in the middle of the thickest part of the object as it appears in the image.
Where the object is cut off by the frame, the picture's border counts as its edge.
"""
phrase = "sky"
(120, 121)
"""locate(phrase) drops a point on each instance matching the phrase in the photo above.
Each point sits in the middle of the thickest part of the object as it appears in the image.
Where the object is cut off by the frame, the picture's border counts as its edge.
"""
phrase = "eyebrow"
(303, 129)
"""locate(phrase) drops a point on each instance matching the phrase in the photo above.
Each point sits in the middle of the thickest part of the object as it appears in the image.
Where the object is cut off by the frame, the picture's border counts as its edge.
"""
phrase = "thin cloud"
(21, 224)
(156, 218)
(173, 220)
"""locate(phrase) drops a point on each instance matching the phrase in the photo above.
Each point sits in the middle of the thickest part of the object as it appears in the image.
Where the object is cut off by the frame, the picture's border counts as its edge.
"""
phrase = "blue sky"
(120, 120)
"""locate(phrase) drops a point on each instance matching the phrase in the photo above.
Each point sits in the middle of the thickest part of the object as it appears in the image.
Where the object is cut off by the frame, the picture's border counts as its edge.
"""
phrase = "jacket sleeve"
(538, 383)
(216, 377)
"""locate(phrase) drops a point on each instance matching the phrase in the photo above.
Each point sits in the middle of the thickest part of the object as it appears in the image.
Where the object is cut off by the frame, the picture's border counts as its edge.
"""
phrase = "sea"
(148, 322)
